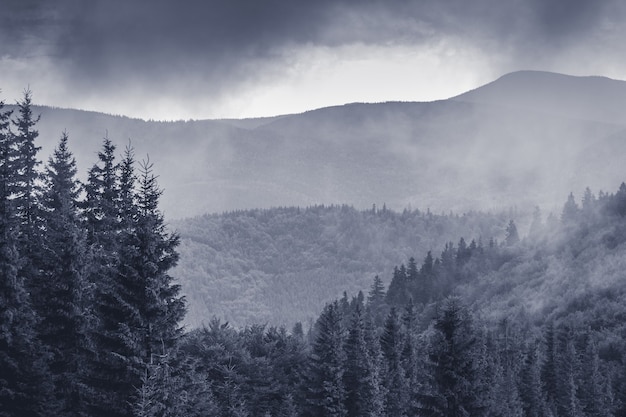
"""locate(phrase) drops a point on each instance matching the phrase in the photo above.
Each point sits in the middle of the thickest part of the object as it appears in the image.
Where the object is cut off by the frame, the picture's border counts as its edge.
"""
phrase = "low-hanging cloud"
(209, 47)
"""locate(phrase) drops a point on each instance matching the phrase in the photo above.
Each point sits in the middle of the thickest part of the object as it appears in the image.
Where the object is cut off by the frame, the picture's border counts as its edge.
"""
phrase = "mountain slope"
(282, 265)
(517, 141)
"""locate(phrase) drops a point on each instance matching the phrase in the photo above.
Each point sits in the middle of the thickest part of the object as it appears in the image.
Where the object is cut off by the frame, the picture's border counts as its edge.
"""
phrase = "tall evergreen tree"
(327, 392)
(395, 382)
(24, 183)
(530, 389)
(454, 390)
(163, 307)
(570, 213)
(594, 387)
(512, 237)
(376, 306)
(65, 296)
(363, 394)
(23, 385)
(549, 368)
(398, 287)
(101, 205)
(117, 369)
(26, 174)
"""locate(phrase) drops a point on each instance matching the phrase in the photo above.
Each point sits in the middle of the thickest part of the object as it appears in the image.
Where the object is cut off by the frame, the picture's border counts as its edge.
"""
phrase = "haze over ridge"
(527, 138)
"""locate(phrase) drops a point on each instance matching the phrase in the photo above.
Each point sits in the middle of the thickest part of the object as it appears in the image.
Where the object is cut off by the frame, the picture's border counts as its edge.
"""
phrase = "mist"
(490, 149)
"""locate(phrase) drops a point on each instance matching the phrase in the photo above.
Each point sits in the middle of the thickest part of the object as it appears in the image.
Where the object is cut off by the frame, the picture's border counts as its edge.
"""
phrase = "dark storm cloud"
(168, 42)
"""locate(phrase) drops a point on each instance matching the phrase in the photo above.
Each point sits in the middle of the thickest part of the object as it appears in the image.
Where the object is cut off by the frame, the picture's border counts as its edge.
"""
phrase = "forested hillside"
(281, 265)
(523, 327)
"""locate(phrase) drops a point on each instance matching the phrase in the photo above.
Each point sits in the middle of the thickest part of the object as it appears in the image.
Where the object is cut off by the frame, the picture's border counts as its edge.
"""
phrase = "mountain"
(527, 138)
(598, 99)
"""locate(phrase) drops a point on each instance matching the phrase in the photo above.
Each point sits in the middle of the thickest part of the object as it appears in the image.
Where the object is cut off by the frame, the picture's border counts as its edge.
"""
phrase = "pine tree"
(23, 383)
(117, 367)
(361, 372)
(395, 383)
(506, 400)
(25, 188)
(567, 402)
(411, 270)
(101, 206)
(327, 392)
(570, 213)
(397, 291)
(462, 253)
(454, 384)
(376, 306)
(593, 387)
(410, 359)
(549, 368)
(65, 296)
(512, 237)
(530, 389)
(163, 307)
(25, 191)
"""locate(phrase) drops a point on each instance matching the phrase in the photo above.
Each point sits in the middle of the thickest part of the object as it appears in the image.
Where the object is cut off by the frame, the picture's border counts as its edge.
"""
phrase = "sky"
(199, 59)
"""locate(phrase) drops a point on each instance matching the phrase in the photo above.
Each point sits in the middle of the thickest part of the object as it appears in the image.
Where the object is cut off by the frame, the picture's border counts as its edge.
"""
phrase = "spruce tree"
(512, 237)
(26, 177)
(594, 397)
(25, 192)
(530, 389)
(24, 386)
(363, 395)
(163, 307)
(65, 301)
(549, 368)
(327, 392)
(453, 390)
(376, 306)
(117, 370)
(395, 382)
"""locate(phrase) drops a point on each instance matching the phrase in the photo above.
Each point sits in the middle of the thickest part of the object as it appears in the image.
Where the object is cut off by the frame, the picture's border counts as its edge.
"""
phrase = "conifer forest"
(92, 314)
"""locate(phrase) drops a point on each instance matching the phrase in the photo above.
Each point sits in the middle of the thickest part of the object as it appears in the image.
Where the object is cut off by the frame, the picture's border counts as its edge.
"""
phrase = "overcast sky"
(242, 58)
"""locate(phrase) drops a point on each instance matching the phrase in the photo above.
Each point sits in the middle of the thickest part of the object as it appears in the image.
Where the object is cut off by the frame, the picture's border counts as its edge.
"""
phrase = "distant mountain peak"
(596, 98)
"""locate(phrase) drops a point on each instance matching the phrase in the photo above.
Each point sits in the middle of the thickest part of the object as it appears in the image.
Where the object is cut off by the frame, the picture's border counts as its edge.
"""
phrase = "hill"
(282, 265)
(527, 138)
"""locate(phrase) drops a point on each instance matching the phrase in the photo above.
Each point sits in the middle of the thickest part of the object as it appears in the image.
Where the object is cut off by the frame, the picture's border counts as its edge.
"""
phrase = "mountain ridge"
(473, 151)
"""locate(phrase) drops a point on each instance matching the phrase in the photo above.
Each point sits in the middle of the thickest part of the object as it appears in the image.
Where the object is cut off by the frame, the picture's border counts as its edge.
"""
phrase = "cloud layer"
(191, 49)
